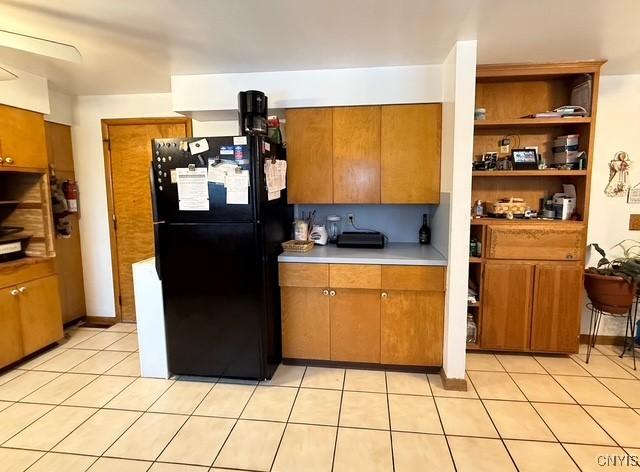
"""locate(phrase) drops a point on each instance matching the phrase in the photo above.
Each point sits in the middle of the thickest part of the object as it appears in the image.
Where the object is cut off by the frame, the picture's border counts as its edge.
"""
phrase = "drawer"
(294, 274)
(413, 278)
(354, 276)
(553, 242)
(23, 270)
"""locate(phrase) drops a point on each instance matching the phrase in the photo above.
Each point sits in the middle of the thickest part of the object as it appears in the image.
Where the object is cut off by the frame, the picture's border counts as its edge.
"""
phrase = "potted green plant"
(611, 285)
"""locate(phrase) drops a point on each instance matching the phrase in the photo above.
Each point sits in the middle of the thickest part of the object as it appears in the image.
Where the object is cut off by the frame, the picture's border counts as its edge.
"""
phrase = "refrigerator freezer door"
(212, 280)
(171, 154)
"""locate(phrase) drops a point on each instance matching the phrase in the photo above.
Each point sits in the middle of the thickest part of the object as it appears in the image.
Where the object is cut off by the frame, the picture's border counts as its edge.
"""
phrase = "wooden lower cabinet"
(40, 313)
(557, 303)
(305, 323)
(355, 325)
(411, 327)
(506, 305)
(531, 306)
(10, 332)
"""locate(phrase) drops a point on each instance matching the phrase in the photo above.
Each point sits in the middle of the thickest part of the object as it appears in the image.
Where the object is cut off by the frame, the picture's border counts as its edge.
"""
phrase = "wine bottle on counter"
(424, 235)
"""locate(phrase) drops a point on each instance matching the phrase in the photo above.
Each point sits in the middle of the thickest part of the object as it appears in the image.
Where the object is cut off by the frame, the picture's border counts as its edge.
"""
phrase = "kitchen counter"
(392, 254)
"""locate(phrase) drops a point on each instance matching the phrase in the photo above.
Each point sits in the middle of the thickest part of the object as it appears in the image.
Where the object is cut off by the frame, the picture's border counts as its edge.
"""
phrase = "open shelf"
(475, 260)
(517, 221)
(528, 173)
(473, 305)
(530, 122)
(473, 346)
(9, 202)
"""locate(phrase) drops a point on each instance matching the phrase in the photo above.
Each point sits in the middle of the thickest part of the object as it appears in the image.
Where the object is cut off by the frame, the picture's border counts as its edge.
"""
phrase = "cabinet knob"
(8, 160)
(22, 289)
(332, 293)
(384, 294)
(14, 292)
(325, 292)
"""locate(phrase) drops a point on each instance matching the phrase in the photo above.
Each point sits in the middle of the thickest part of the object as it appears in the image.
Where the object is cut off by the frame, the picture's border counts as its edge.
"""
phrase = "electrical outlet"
(350, 218)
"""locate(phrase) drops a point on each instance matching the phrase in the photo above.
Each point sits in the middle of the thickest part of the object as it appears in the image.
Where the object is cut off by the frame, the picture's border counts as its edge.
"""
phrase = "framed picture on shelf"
(524, 159)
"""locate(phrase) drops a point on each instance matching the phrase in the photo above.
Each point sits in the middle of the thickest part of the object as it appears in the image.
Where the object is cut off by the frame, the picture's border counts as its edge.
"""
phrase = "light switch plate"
(634, 222)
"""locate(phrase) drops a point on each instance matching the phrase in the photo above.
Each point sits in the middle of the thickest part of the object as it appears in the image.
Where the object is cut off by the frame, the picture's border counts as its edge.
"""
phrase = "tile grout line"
(501, 439)
(284, 431)
(583, 409)
(444, 433)
(386, 387)
(335, 444)
(536, 411)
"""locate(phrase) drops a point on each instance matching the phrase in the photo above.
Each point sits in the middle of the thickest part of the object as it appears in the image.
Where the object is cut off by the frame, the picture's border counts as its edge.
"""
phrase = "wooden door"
(356, 154)
(309, 155)
(557, 306)
(412, 327)
(506, 305)
(22, 139)
(68, 260)
(128, 158)
(40, 314)
(10, 332)
(355, 325)
(410, 153)
(305, 323)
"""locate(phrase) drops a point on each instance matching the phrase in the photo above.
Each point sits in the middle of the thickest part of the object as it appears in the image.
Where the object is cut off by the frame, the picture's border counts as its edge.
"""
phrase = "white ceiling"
(133, 46)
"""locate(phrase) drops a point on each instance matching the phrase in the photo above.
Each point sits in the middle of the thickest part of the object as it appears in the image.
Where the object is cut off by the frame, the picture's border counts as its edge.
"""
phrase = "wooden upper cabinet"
(506, 311)
(59, 147)
(22, 139)
(356, 154)
(410, 153)
(309, 155)
(557, 306)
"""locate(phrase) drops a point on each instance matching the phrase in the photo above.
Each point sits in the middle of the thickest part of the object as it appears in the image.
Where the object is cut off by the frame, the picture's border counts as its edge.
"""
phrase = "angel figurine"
(618, 175)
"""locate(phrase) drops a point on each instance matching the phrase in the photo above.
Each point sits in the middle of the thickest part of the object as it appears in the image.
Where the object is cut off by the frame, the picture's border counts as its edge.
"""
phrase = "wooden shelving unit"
(509, 92)
(530, 122)
(528, 173)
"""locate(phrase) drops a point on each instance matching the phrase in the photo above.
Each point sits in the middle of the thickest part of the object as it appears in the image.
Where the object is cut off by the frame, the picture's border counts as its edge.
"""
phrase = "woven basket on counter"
(297, 246)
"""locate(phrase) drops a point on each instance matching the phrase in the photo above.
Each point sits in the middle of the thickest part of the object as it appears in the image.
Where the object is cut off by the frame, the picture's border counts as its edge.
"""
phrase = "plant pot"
(609, 293)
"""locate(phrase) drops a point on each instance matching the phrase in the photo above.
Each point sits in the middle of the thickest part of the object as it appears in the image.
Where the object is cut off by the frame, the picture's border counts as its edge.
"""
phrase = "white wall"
(61, 108)
(617, 129)
(457, 147)
(89, 167)
(309, 88)
(28, 91)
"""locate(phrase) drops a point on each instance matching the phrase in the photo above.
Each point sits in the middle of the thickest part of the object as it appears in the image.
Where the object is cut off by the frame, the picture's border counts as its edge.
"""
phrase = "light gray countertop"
(392, 254)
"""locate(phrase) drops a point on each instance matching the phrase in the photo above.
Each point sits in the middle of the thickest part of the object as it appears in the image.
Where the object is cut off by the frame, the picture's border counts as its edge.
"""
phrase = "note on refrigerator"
(218, 171)
(237, 184)
(193, 189)
(276, 176)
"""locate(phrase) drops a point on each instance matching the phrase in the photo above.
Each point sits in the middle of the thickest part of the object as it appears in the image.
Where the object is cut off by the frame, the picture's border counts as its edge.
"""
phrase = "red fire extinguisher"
(70, 190)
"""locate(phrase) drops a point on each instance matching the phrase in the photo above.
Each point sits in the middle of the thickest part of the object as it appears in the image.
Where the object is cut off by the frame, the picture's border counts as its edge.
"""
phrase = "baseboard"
(360, 365)
(99, 320)
(605, 340)
(458, 385)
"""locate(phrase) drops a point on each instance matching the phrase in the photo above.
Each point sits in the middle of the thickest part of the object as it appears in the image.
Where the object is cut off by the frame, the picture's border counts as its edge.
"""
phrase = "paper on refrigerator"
(276, 175)
(193, 189)
(237, 184)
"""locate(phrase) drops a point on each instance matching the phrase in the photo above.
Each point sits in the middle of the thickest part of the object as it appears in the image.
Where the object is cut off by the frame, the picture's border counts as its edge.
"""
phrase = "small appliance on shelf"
(13, 243)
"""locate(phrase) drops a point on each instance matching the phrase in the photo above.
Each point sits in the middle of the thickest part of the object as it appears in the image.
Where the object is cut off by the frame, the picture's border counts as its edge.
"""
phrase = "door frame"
(105, 123)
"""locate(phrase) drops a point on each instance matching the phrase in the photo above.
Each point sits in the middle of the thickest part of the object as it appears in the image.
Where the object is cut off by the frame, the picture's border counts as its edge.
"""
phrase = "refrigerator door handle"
(156, 246)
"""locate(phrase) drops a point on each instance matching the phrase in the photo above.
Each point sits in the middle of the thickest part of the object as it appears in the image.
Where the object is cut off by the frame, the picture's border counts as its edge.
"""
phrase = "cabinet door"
(355, 325)
(309, 155)
(22, 138)
(410, 153)
(356, 154)
(59, 149)
(506, 305)
(412, 324)
(557, 303)
(40, 315)
(10, 337)
(305, 323)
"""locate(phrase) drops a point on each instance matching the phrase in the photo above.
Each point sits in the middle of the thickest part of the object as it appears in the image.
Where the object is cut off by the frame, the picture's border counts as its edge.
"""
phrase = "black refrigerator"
(217, 260)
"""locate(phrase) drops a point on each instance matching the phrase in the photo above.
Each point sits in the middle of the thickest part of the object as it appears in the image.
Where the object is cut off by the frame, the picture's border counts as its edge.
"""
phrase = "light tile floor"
(82, 406)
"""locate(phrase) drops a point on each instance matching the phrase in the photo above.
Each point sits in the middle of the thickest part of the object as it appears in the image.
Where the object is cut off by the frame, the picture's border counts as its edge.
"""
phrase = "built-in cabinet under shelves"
(364, 154)
(389, 315)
